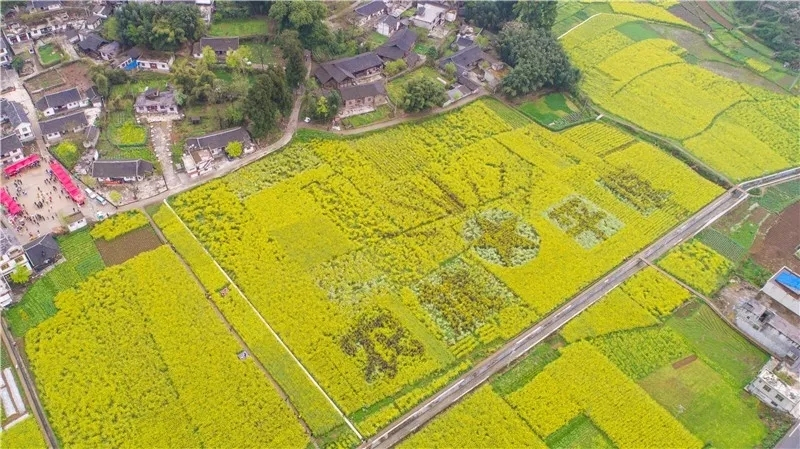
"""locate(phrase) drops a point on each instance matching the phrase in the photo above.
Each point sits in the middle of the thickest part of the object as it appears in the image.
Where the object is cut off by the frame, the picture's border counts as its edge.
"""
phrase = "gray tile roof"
(154, 97)
(111, 48)
(14, 112)
(401, 42)
(121, 169)
(58, 99)
(220, 43)
(42, 251)
(371, 8)
(362, 91)
(8, 144)
(464, 58)
(92, 42)
(346, 68)
(64, 124)
(218, 139)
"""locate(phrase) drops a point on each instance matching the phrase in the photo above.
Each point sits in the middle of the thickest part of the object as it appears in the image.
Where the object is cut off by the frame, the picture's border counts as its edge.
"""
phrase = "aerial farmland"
(408, 224)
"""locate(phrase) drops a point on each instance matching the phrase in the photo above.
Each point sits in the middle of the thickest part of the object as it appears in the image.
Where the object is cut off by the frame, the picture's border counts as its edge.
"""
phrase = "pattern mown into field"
(350, 240)
(136, 354)
(82, 260)
(648, 82)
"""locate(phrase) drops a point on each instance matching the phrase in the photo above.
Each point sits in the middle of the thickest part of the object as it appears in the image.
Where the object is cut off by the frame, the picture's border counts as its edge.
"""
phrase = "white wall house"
(65, 100)
(54, 129)
(15, 115)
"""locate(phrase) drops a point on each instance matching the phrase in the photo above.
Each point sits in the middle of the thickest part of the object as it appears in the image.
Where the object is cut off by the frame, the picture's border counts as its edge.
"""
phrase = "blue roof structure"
(789, 280)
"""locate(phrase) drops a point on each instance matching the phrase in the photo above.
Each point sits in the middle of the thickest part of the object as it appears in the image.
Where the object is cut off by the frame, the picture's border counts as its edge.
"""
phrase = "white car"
(90, 193)
(307, 119)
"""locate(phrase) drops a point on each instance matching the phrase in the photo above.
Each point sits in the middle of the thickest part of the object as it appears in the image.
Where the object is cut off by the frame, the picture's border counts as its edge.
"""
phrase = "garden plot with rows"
(388, 263)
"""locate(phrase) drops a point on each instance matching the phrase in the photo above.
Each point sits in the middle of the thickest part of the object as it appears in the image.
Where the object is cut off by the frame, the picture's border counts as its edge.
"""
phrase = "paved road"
(792, 438)
(27, 383)
(517, 347)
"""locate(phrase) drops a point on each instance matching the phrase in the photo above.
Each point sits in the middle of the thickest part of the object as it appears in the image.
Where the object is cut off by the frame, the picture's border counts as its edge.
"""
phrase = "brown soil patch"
(777, 247)
(708, 9)
(74, 75)
(685, 361)
(687, 12)
(127, 246)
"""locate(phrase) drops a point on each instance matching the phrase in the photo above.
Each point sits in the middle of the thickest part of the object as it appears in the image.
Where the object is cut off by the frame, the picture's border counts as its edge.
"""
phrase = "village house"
(362, 98)
(198, 163)
(148, 60)
(91, 44)
(91, 136)
(94, 22)
(220, 45)
(154, 101)
(429, 15)
(387, 26)
(464, 60)
(72, 36)
(10, 149)
(103, 11)
(371, 10)
(42, 252)
(75, 221)
(774, 391)
(348, 71)
(216, 142)
(93, 96)
(64, 100)
(54, 129)
(121, 171)
(44, 5)
(12, 255)
(784, 287)
(400, 46)
(771, 330)
(13, 114)
(5, 54)
(109, 51)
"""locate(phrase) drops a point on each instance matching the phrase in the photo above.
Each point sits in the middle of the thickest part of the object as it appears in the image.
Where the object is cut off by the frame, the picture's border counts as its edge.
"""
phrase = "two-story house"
(62, 101)
(399, 46)
(362, 98)
(5, 54)
(371, 10)
(14, 114)
(154, 101)
(10, 149)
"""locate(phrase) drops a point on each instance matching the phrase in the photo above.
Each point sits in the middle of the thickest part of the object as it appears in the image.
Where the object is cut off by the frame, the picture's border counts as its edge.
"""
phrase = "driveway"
(160, 136)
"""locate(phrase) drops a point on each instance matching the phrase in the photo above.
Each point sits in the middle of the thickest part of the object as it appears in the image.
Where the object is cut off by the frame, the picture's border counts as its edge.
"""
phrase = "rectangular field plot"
(387, 262)
(169, 367)
(82, 260)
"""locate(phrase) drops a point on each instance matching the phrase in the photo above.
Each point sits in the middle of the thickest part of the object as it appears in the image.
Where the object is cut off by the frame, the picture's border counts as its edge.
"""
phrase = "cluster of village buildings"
(63, 114)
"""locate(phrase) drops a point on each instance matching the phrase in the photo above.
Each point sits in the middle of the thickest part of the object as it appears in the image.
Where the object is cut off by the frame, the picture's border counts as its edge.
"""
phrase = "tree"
(21, 275)
(537, 13)
(233, 114)
(395, 67)
(17, 63)
(101, 83)
(239, 59)
(450, 69)
(292, 51)
(163, 27)
(432, 54)
(423, 93)
(322, 107)
(208, 57)
(234, 149)
(297, 14)
(196, 82)
(489, 14)
(111, 29)
(267, 99)
(537, 60)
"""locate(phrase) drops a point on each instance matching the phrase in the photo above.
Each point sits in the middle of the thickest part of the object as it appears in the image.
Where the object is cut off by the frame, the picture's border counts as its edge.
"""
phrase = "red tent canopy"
(11, 206)
(74, 192)
(16, 167)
